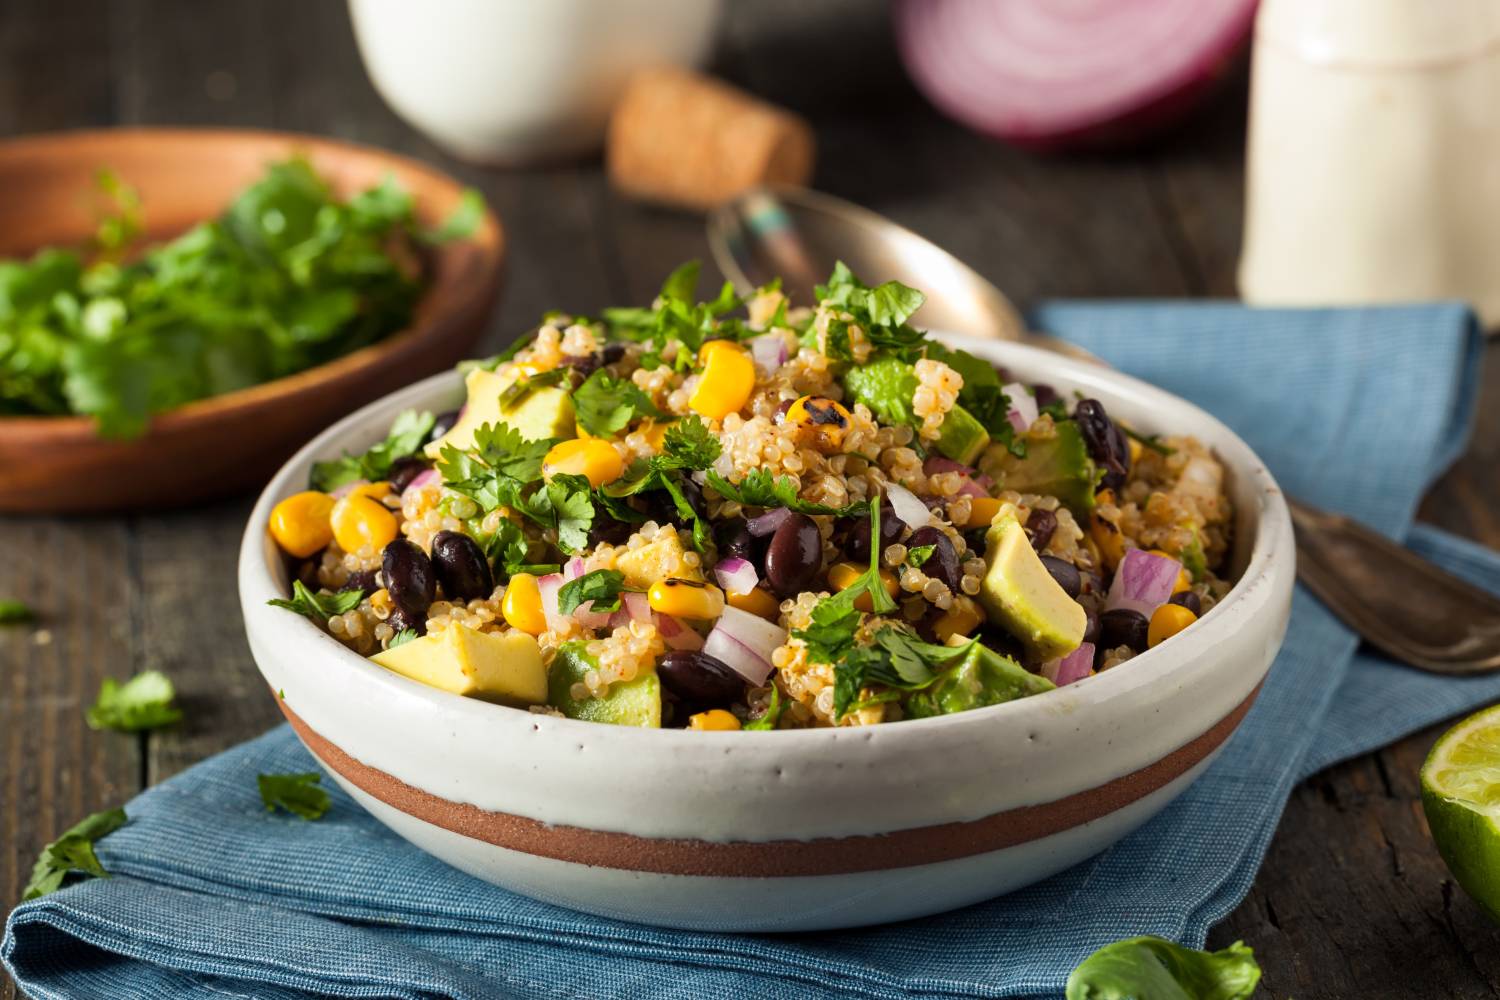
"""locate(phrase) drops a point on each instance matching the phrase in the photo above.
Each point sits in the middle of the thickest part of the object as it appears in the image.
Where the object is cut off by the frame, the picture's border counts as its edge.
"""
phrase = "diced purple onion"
(736, 576)
(1143, 583)
(746, 643)
(909, 509)
(427, 477)
(737, 656)
(574, 569)
(768, 351)
(636, 606)
(677, 635)
(974, 483)
(549, 585)
(1023, 409)
(768, 522)
(1074, 667)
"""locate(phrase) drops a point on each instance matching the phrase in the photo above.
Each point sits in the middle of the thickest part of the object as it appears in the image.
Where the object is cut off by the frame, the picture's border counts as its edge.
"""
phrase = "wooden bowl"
(226, 443)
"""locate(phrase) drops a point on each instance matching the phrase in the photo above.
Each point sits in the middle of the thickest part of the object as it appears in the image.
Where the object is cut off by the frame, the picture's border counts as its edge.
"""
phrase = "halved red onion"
(549, 585)
(427, 477)
(1023, 408)
(911, 511)
(677, 635)
(768, 351)
(1143, 582)
(768, 522)
(736, 576)
(1074, 667)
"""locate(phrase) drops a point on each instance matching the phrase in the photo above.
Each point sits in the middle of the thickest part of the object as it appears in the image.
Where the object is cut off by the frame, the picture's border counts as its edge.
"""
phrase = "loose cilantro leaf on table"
(296, 793)
(762, 488)
(72, 852)
(602, 586)
(605, 404)
(408, 432)
(15, 613)
(318, 607)
(141, 703)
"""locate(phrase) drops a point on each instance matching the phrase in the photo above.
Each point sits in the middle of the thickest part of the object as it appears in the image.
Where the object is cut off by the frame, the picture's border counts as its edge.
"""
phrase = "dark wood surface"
(1352, 902)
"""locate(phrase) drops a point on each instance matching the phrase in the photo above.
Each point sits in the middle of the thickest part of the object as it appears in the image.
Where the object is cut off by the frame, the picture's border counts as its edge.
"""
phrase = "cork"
(682, 138)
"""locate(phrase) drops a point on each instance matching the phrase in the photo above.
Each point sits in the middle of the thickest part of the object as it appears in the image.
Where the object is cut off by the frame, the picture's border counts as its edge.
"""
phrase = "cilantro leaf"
(564, 504)
(767, 720)
(605, 404)
(408, 432)
(882, 312)
(687, 444)
(401, 638)
(318, 607)
(497, 468)
(461, 223)
(676, 318)
(296, 793)
(15, 613)
(141, 703)
(72, 852)
(603, 587)
(762, 488)
(918, 555)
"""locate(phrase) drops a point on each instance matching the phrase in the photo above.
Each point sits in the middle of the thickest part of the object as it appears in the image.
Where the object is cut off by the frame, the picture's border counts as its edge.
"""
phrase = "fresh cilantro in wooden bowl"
(180, 309)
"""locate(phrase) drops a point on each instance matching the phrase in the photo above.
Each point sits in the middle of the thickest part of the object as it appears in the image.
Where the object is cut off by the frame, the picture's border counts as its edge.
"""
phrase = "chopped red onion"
(636, 606)
(736, 576)
(769, 351)
(574, 569)
(768, 522)
(746, 642)
(1143, 582)
(1074, 667)
(911, 511)
(1023, 409)
(549, 585)
(427, 477)
(737, 656)
(677, 635)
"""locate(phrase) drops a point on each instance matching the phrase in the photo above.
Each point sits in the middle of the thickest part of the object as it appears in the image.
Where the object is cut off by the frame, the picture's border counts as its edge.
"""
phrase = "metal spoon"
(1400, 603)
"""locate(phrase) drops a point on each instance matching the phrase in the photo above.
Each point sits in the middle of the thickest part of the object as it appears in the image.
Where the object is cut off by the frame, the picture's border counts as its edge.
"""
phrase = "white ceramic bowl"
(788, 830)
(516, 81)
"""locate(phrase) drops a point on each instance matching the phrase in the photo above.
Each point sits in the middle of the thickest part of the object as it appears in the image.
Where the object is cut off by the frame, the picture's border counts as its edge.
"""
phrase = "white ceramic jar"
(518, 81)
(1374, 134)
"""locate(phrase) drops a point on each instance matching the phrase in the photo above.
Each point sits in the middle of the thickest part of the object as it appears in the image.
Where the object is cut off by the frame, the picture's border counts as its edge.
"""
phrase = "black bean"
(1105, 442)
(612, 353)
(443, 424)
(943, 564)
(795, 555)
(362, 580)
(1188, 599)
(693, 493)
(400, 620)
(1040, 526)
(857, 538)
(696, 677)
(408, 576)
(1124, 627)
(462, 570)
(1002, 642)
(736, 542)
(975, 539)
(1090, 627)
(584, 364)
(1066, 575)
(404, 470)
(1045, 395)
(607, 529)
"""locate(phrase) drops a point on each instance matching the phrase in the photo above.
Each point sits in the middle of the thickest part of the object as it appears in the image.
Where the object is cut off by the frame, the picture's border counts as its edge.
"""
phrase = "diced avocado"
(887, 386)
(544, 412)
(1057, 466)
(628, 703)
(1021, 597)
(983, 677)
(661, 558)
(505, 668)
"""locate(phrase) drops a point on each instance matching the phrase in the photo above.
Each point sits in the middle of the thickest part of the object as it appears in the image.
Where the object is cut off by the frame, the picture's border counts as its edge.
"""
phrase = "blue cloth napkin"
(1355, 410)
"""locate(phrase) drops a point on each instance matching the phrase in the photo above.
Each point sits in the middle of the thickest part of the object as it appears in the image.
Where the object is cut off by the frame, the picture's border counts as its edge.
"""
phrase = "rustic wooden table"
(1352, 901)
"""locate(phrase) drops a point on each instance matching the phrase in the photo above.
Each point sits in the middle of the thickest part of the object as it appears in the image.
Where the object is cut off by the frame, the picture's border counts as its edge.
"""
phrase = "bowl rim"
(1271, 551)
(487, 243)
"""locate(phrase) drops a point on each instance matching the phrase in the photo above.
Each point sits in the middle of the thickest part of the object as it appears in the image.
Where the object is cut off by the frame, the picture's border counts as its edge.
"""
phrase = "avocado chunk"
(628, 703)
(1020, 596)
(983, 677)
(1057, 466)
(504, 668)
(887, 386)
(544, 412)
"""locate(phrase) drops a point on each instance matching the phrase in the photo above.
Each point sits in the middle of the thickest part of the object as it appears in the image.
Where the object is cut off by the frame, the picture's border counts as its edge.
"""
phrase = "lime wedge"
(1461, 796)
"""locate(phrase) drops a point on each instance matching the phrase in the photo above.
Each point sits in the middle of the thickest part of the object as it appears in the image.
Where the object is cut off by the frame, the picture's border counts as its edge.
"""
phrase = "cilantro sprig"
(881, 311)
(408, 433)
(603, 587)
(762, 488)
(318, 607)
(676, 317)
(73, 852)
(141, 703)
(605, 405)
(300, 794)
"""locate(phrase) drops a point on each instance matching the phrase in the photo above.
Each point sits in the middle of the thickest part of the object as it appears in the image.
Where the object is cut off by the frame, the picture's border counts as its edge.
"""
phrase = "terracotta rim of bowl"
(746, 859)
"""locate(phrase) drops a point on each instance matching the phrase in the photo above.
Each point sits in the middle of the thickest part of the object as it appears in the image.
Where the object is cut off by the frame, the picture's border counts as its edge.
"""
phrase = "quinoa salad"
(750, 513)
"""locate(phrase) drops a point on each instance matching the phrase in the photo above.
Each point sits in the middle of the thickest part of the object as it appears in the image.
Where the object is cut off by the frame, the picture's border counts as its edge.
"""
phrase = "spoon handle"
(1401, 603)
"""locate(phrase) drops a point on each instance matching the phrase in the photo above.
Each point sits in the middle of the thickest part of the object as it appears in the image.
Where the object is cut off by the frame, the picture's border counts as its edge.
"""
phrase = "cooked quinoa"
(787, 518)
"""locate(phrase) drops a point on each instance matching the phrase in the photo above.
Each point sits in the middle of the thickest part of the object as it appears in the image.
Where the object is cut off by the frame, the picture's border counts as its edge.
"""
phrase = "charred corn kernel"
(982, 511)
(375, 491)
(1167, 621)
(1106, 534)
(726, 383)
(595, 460)
(359, 521)
(821, 420)
(842, 575)
(1184, 578)
(758, 602)
(522, 605)
(715, 719)
(686, 599)
(300, 523)
(961, 619)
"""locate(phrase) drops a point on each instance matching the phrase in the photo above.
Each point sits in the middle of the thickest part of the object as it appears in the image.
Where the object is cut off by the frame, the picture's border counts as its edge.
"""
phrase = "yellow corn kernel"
(1135, 451)
(522, 605)
(1184, 578)
(716, 720)
(594, 459)
(686, 599)
(359, 521)
(530, 368)
(656, 433)
(727, 381)
(961, 619)
(1167, 621)
(982, 511)
(758, 602)
(375, 491)
(821, 420)
(300, 523)
(841, 576)
(1106, 534)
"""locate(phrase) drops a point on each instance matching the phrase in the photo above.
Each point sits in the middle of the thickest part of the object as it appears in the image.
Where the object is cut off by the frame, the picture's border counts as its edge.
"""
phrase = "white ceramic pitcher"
(1373, 169)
